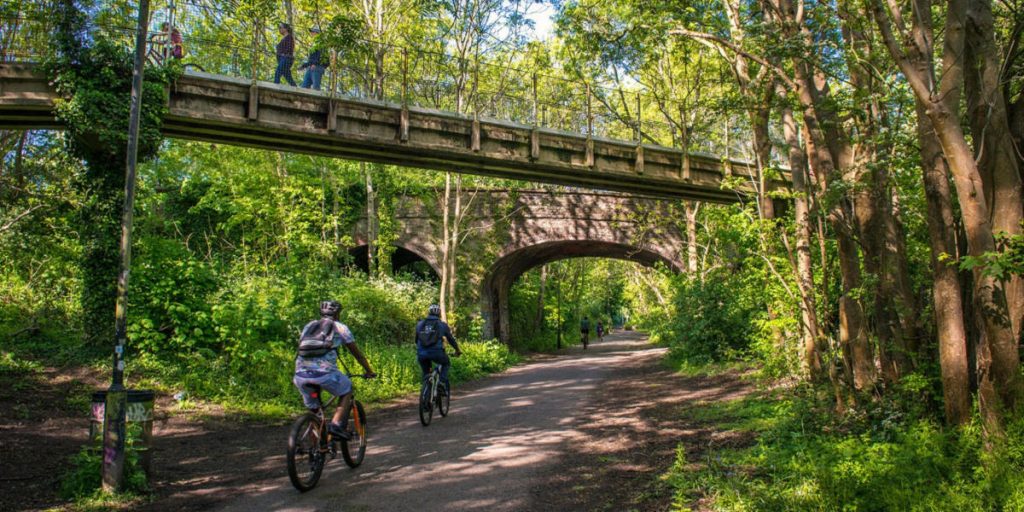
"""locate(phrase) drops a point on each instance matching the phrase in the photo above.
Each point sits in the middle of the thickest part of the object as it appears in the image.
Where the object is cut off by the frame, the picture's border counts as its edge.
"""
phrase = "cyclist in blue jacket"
(431, 332)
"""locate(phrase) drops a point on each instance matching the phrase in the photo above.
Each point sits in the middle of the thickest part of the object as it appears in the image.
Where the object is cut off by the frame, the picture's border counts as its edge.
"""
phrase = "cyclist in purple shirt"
(322, 370)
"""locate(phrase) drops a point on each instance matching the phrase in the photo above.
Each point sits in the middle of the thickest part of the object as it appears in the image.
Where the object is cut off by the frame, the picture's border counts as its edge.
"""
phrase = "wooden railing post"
(590, 127)
(403, 118)
(535, 132)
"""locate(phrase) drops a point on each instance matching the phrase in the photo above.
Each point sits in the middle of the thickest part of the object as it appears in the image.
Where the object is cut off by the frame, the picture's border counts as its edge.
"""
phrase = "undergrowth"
(804, 456)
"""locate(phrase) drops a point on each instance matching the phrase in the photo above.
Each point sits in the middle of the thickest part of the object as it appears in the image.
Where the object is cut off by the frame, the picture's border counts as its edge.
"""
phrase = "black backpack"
(317, 338)
(429, 333)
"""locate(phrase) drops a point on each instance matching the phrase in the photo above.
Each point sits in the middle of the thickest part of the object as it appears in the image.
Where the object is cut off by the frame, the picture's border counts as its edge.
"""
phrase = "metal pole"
(114, 415)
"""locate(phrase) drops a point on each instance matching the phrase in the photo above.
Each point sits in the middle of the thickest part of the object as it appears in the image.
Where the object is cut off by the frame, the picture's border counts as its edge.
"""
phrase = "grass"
(803, 457)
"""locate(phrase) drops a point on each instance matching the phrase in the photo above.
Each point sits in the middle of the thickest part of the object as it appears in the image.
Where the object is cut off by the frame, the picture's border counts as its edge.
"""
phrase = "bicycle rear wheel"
(305, 460)
(443, 400)
(427, 402)
(354, 449)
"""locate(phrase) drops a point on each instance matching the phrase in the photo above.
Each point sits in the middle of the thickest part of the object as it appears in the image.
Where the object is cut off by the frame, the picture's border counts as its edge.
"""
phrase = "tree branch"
(710, 38)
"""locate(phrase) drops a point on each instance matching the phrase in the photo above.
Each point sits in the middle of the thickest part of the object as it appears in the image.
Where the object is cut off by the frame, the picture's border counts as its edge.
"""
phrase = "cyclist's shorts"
(334, 383)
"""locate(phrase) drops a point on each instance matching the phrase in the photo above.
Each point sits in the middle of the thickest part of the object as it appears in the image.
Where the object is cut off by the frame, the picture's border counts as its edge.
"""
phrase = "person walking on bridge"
(431, 332)
(285, 55)
(315, 65)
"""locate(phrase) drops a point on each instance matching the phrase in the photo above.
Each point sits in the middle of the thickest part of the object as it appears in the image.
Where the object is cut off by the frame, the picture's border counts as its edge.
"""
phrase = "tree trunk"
(445, 245)
(453, 246)
(812, 339)
(372, 222)
(538, 320)
(691, 208)
(949, 319)
(994, 146)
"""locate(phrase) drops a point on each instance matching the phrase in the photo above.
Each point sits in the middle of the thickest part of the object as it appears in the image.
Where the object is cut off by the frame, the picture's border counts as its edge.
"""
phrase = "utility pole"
(114, 431)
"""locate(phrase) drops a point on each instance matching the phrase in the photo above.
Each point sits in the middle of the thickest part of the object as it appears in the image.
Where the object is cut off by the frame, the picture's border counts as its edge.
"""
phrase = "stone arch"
(405, 254)
(513, 263)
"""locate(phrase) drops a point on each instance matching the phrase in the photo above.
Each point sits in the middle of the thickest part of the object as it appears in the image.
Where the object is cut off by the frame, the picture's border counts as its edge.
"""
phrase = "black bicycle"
(432, 395)
(310, 443)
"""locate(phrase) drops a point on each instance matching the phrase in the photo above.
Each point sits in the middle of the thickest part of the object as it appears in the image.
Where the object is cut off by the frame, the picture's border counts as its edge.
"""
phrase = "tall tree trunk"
(446, 245)
(691, 208)
(453, 246)
(812, 340)
(372, 222)
(949, 319)
(994, 146)
(538, 320)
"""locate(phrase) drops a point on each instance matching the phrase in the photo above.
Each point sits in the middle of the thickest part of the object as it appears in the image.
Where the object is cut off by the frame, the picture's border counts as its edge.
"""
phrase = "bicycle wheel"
(305, 460)
(443, 401)
(427, 402)
(354, 449)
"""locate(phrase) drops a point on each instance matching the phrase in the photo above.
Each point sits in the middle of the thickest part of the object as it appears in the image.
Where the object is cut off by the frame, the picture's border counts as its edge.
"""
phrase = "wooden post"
(403, 118)
(684, 143)
(727, 167)
(639, 165)
(590, 127)
(475, 137)
(535, 132)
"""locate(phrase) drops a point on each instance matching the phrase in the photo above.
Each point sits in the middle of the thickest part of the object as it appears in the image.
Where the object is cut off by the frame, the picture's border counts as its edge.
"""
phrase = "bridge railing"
(505, 86)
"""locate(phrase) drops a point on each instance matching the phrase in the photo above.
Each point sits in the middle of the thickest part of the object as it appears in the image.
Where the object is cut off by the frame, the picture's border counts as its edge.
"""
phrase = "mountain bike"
(432, 394)
(310, 444)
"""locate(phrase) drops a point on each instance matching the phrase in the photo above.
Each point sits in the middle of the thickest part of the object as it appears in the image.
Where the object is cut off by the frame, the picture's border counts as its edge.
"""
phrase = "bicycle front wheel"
(354, 449)
(305, 459)
(427, 402)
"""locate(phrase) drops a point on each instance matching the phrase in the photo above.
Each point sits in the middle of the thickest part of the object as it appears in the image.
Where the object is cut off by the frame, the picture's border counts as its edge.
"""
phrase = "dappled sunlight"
(488, 454)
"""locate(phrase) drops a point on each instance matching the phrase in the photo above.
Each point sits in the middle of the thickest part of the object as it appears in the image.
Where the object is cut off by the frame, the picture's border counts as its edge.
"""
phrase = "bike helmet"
(434, 309)
(330, 308)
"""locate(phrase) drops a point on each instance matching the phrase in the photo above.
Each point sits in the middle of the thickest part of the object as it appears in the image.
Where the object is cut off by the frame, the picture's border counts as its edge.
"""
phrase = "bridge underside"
(237, 112)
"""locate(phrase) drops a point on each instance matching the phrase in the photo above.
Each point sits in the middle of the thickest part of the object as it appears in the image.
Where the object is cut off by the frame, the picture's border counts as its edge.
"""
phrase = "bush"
(710, 321)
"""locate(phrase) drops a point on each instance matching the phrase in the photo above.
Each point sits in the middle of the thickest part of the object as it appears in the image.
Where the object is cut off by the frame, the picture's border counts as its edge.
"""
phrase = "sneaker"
(338, 432)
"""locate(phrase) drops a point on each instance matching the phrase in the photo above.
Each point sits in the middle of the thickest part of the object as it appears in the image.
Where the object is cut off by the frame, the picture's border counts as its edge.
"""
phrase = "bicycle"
(431, 395)
(585, 338)
(310, 443)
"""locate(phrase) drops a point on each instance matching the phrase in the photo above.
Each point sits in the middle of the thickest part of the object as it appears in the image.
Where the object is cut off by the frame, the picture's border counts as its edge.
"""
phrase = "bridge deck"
(234, 111)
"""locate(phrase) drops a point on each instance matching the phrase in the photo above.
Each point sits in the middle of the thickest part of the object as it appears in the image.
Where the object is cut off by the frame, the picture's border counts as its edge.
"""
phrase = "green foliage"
(1006, 261)
(807, 458)
(82, 480)
(710, 321)
(92, 75)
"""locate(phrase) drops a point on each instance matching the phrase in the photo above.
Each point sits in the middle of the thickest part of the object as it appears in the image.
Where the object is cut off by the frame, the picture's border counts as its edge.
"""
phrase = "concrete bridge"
(236, 111)
(534, 228)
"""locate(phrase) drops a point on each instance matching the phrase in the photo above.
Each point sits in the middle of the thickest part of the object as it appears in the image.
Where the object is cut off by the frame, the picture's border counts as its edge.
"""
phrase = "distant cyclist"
(600, 331)
(431, 332)
(317, 363)
(585, 332)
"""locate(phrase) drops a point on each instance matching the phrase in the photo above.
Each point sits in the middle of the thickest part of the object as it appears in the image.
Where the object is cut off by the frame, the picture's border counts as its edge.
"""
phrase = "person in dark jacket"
(315, 65)
(285, 55)
(431, 332)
